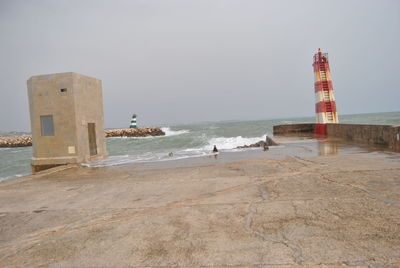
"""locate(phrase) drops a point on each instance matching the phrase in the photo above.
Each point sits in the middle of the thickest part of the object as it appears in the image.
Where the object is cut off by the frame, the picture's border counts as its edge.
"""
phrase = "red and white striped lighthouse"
(325, 105)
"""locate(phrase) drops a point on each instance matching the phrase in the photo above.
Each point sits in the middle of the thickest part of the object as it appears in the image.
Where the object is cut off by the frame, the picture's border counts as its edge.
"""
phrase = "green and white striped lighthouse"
(133, 122)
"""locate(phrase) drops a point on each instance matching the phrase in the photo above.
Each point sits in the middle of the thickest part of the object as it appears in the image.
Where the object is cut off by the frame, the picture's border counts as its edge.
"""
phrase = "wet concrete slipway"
(307, 203)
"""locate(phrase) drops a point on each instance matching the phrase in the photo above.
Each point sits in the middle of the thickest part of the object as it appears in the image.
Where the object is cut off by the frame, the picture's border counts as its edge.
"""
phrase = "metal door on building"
(92, 138)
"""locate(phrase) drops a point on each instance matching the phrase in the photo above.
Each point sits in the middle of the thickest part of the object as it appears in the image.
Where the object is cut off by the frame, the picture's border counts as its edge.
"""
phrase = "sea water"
(183, 141)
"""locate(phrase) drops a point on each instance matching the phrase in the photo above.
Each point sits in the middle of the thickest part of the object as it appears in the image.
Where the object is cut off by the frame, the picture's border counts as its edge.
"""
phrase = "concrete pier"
(331, 211)
(385, 136)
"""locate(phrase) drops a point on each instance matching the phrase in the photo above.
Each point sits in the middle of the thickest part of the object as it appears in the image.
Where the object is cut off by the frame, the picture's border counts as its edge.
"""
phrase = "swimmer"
(215, 150)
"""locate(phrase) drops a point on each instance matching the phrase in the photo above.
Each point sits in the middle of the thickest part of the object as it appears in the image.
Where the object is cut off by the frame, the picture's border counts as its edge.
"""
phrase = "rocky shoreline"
(270, 142)
(26, 140)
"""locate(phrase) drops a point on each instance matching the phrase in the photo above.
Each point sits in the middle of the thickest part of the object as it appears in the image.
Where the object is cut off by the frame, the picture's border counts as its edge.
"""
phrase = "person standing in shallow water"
(215, 151)
(266, 148)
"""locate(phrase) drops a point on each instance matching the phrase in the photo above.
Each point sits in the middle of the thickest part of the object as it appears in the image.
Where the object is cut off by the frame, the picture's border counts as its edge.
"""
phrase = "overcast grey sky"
(183, 61)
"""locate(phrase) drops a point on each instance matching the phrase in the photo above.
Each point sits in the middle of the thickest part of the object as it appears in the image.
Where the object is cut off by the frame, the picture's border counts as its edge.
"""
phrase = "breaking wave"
(12, 177)
(169, 132)
(132, 159)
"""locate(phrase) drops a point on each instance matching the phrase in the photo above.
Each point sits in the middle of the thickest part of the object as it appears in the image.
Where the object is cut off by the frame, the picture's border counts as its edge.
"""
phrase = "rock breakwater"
(270, 142)
(16, 141)
(135, 132)
(26, 140)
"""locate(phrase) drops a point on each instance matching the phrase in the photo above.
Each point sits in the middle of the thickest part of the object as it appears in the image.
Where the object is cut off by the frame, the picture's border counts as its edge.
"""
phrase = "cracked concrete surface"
(332, 211)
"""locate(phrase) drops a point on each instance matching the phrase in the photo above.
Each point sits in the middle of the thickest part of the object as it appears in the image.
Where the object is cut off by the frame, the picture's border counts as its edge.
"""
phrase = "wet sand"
(305, 204)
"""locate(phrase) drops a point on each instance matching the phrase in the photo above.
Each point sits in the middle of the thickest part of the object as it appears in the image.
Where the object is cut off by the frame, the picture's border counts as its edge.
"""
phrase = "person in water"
(215, 150)
(266, 148)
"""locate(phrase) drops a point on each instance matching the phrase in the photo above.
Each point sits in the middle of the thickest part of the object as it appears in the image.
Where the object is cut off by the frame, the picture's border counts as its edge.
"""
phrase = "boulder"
(271, 142)
(258, 144)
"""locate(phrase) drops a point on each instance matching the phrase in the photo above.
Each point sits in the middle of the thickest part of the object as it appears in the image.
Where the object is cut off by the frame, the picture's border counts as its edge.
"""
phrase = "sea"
(183, 141)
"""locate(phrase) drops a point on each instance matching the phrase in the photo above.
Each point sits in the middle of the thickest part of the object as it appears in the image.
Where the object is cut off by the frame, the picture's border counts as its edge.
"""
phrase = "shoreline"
(289, 146)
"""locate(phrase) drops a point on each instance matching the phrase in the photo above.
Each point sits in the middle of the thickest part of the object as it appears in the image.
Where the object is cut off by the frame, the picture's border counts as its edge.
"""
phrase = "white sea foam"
(227, 144)
(169, 132)
(12, 177)
(145, 158)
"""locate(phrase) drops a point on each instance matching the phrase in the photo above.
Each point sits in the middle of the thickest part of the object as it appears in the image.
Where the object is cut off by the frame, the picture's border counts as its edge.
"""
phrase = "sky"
(188, 61)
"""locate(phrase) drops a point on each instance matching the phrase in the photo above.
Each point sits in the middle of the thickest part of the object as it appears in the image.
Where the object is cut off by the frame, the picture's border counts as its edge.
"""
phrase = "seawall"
(24, 141)
(383, 135)
(294, 129)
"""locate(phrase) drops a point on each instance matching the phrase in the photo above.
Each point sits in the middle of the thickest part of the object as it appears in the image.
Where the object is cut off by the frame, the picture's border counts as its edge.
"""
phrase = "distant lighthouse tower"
(133, 122)
(325, 105)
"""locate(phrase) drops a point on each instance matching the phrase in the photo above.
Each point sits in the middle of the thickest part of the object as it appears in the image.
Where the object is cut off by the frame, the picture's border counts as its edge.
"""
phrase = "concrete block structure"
(66, 111)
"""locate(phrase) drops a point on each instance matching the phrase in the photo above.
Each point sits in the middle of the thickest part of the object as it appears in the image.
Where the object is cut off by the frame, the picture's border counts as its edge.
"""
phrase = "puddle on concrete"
(393, 157)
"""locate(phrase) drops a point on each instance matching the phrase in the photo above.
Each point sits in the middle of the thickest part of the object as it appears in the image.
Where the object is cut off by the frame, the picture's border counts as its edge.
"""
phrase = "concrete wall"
(45, 98)
(80, 102)
(89, 109)
(382, 135)
(293, 129)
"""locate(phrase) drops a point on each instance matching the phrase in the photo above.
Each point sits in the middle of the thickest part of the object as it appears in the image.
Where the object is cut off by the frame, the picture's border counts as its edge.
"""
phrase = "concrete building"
(66, 111)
